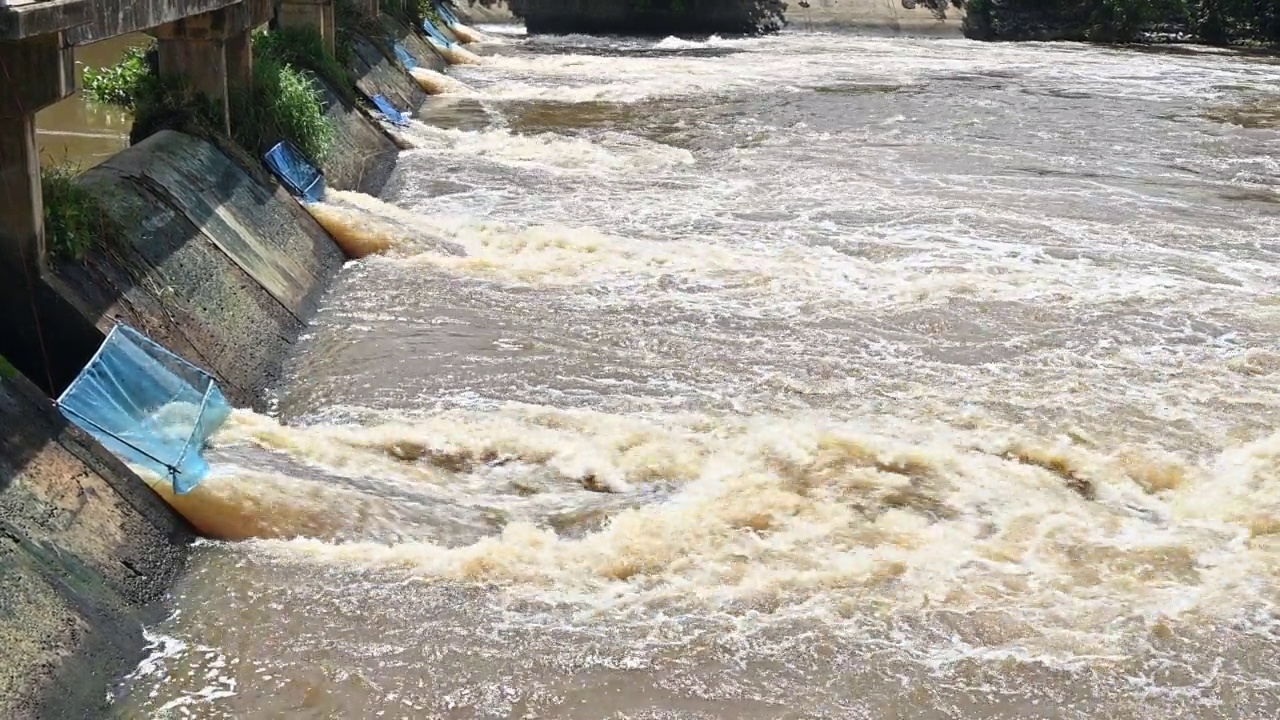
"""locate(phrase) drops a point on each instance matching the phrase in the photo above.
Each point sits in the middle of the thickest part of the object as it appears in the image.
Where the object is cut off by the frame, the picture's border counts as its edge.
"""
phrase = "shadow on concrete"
(44, 336)
(87, 552)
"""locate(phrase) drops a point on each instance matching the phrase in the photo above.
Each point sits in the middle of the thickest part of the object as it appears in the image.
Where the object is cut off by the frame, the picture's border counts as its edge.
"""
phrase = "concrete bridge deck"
(88, 21)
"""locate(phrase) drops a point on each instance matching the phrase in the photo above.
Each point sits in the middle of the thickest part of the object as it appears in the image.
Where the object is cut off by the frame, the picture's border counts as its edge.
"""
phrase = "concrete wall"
(413, 41)
(363, 155)
(378, 75)
(213, 260)
(210, 263)
(86, 552)
(882, 16)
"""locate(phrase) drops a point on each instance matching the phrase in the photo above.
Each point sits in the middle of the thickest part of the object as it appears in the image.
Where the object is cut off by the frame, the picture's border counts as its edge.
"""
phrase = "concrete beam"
(310, 14)
(112, 18)
(21, 19)
(224, 22)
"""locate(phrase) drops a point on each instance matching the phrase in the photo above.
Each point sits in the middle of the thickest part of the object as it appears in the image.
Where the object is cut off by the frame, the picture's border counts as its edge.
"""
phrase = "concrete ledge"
(473, 13)
(210, 263)
(19, 20)
(86, 551)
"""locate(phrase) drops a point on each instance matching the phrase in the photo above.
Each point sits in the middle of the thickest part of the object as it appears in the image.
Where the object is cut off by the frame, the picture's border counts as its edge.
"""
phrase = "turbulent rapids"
(808, 376)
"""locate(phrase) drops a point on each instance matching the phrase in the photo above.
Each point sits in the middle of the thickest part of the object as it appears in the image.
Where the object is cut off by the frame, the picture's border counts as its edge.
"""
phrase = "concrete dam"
(579, 361)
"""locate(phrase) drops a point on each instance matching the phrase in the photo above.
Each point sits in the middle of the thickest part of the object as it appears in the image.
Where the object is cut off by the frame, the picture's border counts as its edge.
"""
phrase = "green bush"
(1120, 20)
(415, 11)
(284, 105)
(119, 83)
(73, 218)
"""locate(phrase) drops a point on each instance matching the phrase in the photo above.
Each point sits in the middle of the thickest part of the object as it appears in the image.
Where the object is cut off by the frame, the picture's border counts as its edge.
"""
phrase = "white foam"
(611, 151)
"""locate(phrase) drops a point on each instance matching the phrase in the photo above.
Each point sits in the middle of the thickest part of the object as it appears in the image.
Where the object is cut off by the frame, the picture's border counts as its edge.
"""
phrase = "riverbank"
(1147, 21)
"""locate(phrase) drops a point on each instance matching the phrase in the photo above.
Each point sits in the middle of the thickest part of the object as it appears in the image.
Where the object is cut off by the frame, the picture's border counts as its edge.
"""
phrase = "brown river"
(80, 133)
(812, 376)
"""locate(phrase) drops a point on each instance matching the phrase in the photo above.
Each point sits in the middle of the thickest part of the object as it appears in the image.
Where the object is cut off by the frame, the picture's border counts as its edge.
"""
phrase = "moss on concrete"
(86, 552)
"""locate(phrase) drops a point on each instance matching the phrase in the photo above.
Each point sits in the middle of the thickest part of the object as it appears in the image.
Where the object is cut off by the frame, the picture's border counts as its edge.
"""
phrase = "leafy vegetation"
(303, 49)
(1210, 21)
(284, 102)
(284, 105)
(118, 84)
(73, 218)
(414, 11)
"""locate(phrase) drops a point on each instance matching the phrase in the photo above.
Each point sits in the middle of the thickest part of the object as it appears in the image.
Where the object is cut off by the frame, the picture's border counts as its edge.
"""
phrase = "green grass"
(73, 218)
(284, 105)
(304, 49)
(7, 370)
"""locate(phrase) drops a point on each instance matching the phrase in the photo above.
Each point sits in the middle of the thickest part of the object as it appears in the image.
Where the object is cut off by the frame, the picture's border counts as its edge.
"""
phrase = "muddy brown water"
(76, 131)
(813, 377)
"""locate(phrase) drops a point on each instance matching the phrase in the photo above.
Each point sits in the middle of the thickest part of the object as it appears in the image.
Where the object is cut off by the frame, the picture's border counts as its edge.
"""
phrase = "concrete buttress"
(314, 15)
(211, 51)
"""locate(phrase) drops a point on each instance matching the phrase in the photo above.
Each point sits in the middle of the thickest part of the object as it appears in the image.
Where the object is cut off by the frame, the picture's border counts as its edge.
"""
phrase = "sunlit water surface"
(812, 376)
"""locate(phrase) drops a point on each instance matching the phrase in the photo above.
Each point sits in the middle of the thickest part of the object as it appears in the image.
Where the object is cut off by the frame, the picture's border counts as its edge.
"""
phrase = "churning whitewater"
(806, 376)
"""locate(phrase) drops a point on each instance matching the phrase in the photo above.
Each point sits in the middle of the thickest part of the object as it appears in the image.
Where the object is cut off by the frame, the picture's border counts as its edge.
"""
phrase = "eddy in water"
(903, 378)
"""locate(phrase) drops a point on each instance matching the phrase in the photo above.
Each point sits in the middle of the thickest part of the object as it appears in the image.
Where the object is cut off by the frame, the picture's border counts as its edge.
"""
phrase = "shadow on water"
(466, 113)
(854, 88)
(558, 116)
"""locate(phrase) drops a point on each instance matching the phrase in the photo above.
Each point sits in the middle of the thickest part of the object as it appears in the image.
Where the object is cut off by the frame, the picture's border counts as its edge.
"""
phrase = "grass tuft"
(285, 104)
(303, 49)
(73, 218)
